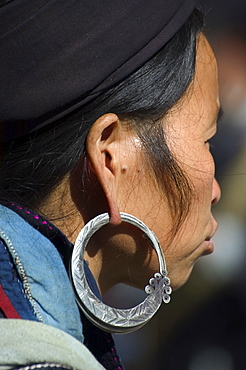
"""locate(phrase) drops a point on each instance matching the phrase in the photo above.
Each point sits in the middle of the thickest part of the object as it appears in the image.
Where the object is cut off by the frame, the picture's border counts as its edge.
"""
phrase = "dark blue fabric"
(91, 281)
(13, 286)
(56, 56)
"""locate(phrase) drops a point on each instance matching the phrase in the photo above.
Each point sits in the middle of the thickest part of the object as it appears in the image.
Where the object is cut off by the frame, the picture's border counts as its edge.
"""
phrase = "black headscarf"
(56, 56)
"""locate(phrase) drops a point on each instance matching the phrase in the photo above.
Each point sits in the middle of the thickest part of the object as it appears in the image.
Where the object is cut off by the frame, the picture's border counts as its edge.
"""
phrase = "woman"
(112, 108)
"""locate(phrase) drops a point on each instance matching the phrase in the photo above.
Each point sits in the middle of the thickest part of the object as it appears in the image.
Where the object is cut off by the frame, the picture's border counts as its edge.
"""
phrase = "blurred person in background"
(212, 332)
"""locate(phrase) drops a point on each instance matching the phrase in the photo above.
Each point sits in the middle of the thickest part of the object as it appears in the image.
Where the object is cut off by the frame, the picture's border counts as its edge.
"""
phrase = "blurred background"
(204, 327)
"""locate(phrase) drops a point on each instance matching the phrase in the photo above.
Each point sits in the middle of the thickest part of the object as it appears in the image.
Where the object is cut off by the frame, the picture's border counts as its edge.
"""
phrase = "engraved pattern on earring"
(106, 317)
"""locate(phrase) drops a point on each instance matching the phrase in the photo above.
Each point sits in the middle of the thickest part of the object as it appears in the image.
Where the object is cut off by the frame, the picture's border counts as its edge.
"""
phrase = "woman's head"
(117, 159)
(35, 165)
(120, 153)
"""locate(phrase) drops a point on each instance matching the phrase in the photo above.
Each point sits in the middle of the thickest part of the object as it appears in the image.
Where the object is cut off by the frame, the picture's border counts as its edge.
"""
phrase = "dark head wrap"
(56, 56)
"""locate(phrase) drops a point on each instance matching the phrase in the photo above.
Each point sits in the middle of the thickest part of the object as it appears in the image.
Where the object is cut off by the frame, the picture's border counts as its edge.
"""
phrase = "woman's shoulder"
(37, 265)
(27, 342)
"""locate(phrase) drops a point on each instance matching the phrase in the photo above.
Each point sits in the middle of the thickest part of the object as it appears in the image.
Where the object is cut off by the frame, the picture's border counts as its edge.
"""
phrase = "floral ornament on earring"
(105, 317)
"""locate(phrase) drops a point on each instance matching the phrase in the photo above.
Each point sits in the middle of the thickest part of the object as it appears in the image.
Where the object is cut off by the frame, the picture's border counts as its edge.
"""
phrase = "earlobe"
(101, 146)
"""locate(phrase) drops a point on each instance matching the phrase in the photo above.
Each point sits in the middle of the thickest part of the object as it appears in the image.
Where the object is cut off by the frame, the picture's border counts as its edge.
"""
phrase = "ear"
(102, 145)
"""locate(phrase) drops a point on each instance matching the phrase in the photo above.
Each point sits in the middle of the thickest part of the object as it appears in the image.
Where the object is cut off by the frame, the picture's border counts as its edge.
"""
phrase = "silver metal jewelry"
(108, 318)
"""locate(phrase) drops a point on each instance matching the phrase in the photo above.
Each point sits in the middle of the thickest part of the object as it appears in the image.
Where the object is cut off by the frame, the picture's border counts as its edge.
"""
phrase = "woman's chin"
(178, 280)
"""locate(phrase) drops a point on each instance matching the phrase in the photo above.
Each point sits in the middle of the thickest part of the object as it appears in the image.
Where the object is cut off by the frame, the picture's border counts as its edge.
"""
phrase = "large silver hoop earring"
(109, 318)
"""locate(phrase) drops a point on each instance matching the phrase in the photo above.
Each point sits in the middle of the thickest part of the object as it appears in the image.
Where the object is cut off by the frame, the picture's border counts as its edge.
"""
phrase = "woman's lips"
(209, 246)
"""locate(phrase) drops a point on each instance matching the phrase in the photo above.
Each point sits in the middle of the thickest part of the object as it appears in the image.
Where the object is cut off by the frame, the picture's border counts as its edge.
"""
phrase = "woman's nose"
(216, 192)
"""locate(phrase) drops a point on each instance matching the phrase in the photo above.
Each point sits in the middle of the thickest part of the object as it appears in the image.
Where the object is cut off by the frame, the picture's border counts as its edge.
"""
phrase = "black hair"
(32, 167)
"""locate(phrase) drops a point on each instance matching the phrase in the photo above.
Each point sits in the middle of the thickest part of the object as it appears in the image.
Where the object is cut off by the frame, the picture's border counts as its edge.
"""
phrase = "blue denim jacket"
(40, 290)
(46, 283)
